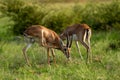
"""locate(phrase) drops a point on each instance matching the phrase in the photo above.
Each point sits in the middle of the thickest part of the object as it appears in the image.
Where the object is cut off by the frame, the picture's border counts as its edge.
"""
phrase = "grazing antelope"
(45, 38)
(81, 33)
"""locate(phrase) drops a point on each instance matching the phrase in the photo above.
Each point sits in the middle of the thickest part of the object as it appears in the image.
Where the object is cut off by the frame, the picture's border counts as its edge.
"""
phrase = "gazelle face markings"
(66, 52)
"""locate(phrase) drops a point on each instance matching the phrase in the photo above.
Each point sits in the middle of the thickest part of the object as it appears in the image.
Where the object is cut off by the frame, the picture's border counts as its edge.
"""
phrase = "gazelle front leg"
(53, 54)
(77, 45)
(48, 56)
(24, 53)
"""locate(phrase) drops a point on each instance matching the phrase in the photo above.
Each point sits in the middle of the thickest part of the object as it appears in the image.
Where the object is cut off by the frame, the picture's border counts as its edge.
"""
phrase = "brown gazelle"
(46, 38)
(79, 33)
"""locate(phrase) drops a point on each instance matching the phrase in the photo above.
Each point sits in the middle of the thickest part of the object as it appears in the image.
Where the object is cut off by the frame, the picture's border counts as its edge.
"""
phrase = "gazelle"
(81, 33)
(46, 38)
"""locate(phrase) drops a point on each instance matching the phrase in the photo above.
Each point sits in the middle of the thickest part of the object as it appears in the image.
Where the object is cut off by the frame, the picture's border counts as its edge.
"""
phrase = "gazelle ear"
(61, 35)
(61, 43)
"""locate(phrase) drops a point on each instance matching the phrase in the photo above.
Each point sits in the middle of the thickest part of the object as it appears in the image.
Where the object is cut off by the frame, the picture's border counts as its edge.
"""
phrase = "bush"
(99, 16)
(29, 15)
(58, 20)
(110, 14)
(102, 16)
(22, 14)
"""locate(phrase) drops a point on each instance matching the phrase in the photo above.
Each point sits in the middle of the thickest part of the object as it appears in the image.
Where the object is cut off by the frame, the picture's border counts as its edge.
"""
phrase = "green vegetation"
(14, 18)
(57, 16)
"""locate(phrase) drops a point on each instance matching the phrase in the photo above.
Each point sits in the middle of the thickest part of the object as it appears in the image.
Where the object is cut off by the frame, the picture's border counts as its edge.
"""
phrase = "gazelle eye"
(65, 49)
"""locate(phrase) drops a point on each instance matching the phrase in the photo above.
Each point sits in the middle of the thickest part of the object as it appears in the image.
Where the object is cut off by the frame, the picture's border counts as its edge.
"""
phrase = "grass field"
(105, 65)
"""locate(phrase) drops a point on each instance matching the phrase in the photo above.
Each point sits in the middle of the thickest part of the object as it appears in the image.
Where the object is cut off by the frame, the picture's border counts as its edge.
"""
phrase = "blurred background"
(16, 15)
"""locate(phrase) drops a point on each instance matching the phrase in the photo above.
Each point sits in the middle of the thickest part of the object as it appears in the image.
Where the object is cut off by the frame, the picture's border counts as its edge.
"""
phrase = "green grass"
(105, 66)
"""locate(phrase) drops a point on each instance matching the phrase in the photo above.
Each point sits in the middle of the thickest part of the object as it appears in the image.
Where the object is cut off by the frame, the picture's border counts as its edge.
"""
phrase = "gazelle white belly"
(75, 37)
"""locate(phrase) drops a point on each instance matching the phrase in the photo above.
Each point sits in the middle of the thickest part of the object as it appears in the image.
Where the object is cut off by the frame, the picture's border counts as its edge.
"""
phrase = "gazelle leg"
(24, 52)
(89, 50)
(77, 45)
(53, 54)
(83, 41)
(48, 56)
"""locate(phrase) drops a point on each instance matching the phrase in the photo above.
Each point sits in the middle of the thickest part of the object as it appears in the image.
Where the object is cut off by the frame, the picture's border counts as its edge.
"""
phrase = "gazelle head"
(66, 51)
(66, 48)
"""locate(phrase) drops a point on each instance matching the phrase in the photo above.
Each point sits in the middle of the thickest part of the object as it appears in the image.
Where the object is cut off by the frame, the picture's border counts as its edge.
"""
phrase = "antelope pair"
(51, 40)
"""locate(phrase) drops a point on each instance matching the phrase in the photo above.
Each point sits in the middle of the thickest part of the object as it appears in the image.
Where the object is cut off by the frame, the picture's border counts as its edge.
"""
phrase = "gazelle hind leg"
(77, 45)
(83, 42)
(88, 42)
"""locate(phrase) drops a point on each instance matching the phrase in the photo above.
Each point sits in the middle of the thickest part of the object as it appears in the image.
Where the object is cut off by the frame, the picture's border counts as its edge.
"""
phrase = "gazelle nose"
(67, 55)
(69, 59)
